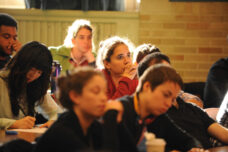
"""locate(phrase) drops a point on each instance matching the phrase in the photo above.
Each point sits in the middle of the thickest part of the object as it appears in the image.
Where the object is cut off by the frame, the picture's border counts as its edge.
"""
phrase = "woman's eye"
(119, 57)
(81, 37)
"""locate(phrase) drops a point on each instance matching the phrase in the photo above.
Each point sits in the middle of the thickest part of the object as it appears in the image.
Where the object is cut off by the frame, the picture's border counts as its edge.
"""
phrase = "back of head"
(159, 74)
(74, 81)
(74, 28)
(151, 59)
(143, 50)
(7, 20)
(107, 48)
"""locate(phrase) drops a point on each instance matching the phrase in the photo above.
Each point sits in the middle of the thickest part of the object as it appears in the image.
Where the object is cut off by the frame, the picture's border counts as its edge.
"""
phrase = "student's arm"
(6, 123)
(49, 109)
(6, 117)
(126, 87)
(116, 135)
(219, 132)
(27, 122)
(175, 137)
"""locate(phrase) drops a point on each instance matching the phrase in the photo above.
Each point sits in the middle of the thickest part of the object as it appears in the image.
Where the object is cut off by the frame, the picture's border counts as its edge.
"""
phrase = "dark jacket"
(182, 142)
(217, 84)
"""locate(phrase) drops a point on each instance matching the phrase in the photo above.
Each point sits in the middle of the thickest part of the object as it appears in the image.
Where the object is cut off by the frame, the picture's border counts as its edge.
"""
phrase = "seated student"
(184, 114)
(77, 49)
(83, 93)
(8, 38)
(146, 49)
(114, 59)
(157, 90)
(23, 88)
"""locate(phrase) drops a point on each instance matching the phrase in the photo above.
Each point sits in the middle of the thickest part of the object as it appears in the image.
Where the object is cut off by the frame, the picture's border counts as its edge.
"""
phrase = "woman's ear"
(74, 97)
(106, 64)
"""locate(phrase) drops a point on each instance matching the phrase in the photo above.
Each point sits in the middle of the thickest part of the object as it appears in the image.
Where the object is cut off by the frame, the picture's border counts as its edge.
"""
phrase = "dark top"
(182, 140)
(192, 119)
(217, 84)
(66, 135)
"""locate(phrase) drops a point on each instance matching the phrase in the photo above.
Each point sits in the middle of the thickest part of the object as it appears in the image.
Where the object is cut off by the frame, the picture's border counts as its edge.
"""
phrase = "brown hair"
(76, 80)
(159, 74)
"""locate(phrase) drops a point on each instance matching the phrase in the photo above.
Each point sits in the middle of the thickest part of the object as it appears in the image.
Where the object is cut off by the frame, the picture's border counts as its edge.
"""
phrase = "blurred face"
(119, 60)
(8, 36)
(92, 101)
(83, 40)
(161, 98)
(33, 74)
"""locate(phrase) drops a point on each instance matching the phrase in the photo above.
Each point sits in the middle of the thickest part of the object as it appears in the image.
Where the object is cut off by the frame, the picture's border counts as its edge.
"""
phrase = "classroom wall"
(50, 26)
(193, 34)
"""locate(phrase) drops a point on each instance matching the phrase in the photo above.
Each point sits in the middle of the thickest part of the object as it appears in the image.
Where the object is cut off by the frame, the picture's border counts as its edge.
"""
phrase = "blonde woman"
(77, 48)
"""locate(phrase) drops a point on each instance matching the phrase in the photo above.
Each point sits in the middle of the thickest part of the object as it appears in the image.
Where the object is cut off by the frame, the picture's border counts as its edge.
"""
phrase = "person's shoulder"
(3, 75)
(223, 62)
(60, 49)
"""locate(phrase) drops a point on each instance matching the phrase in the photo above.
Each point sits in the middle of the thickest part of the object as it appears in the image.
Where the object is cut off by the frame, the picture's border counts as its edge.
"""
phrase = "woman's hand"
(115, 105)
(89, 56)
(27, 122)
(130, 71)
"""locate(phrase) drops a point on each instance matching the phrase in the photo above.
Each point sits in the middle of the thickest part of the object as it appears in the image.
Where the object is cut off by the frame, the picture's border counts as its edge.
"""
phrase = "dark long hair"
(31, 55)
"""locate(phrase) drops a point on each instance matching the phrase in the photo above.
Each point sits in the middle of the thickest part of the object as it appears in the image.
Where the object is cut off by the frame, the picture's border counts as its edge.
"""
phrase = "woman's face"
(120, 58)
(93, 99)
(83, 40)
(33, 74)
(161, 98)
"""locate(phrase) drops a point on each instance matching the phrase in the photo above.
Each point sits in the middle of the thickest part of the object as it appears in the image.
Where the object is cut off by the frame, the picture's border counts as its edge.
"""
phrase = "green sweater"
(62, 54)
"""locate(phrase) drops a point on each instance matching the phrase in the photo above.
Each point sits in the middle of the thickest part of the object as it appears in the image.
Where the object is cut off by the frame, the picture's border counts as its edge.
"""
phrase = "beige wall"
(50, 26)
(192, 34)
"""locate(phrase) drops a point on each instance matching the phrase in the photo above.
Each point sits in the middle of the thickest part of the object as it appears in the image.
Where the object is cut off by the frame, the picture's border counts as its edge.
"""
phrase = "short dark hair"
(157, 75)
(75, 80)
(7, 20)
(151, 59)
